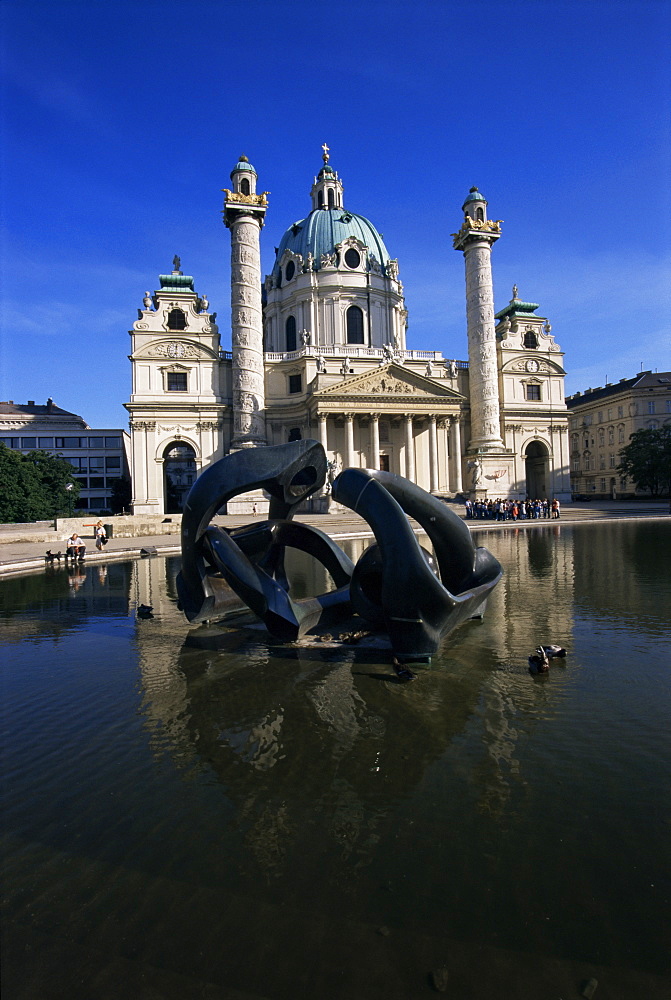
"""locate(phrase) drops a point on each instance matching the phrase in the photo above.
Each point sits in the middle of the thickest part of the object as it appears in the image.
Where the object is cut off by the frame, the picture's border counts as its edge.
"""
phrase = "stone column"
(456, 484)
(476, 238)
(409, 450)
(323, 437)
(244, 215)
(433, 455)
(375, 439)
(349, 440)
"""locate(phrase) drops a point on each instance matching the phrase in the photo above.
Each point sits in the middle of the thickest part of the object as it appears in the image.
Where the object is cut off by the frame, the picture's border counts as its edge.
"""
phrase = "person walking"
(555, 508)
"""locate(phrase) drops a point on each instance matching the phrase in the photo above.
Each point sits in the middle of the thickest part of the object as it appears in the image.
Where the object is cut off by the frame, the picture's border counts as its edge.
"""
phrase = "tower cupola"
(243, 176)
(475, 206)
(327, 188)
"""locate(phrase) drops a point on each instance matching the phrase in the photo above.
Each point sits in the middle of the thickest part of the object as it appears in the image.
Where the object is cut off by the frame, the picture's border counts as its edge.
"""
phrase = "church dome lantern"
(243, 176)
(475, 205)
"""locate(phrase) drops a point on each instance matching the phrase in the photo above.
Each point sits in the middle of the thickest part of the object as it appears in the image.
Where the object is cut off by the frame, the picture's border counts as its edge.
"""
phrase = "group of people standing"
(512, 510)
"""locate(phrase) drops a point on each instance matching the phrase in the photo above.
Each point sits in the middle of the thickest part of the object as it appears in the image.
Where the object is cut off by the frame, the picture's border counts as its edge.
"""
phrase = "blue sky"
(121, 122)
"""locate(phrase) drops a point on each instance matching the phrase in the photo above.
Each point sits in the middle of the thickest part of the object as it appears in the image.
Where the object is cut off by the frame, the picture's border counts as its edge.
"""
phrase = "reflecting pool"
(199, 812)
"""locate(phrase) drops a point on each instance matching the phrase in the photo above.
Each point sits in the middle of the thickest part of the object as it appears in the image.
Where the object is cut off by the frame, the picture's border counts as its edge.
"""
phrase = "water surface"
(204, 813)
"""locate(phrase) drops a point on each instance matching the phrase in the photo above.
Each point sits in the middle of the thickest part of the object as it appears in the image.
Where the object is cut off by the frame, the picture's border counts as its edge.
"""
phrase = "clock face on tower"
(532, 365)
(176, 350)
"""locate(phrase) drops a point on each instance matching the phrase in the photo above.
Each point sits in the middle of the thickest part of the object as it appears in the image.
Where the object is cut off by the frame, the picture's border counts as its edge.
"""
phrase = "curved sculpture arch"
(395, 585)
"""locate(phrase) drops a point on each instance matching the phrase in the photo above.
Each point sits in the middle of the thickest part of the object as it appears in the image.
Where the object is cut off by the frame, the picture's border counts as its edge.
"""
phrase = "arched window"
(176, 320)
(354, 325)
(320, 199)
(331, 198)
(290, 331)
(530, 339)
(479, 214)
(244, 185)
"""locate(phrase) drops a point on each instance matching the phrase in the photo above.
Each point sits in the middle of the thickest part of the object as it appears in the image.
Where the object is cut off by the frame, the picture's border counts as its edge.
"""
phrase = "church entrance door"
(537, 467)
(179, 473)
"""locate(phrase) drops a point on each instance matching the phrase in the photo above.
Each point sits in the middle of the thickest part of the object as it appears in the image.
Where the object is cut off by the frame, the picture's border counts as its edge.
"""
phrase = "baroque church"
(318, 350)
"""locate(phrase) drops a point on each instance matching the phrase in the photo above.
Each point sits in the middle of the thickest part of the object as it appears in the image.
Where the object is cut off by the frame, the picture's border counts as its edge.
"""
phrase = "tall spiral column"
(244, 212)
(475, 239)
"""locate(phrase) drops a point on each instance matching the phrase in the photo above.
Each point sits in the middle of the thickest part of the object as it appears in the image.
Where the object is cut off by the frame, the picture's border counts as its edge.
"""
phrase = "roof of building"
(474, 195)
(32, 409)
(324, 229)
(243, 164)
(176, 282)
(644, 380)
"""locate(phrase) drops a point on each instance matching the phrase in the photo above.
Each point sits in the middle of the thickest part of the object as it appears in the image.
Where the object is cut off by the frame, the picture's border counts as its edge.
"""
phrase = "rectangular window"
(610, 414)
(176, 381)
(29, 442)
(71, 442)
(620, 411)
(668, 406)
(651, 406)
(45, 442)
(96, 442)
(295, 383)
(588, 419)
(612, 461)
(96, 463)
(602, 461)
(76, 463)
(97, 503)
(97, 482)
(83, 482)
(83, 503)
(534, 392)
(603, 485)
(112, 462)
(601, 416)
(10, 442)
(112, 442)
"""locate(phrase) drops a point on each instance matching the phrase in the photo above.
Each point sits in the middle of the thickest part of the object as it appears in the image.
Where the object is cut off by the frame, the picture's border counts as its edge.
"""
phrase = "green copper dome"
(324, 229)
(243, 164)
(474, 195)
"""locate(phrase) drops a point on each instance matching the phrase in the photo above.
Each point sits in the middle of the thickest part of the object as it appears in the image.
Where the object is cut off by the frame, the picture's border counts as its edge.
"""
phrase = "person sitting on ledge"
(76, 548)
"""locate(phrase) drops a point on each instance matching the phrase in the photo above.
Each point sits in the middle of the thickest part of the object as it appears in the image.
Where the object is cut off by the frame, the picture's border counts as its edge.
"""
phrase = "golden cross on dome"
(325, 156)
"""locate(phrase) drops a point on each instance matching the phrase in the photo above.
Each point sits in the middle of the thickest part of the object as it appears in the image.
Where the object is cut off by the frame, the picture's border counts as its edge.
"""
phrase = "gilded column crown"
(476, 224)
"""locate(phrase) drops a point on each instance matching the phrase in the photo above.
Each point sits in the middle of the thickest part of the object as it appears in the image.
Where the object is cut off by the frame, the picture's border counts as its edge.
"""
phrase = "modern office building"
(97, 456)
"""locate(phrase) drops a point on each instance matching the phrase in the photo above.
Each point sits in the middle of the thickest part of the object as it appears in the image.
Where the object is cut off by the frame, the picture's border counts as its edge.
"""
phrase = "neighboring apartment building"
(97, 456)
(600, 424)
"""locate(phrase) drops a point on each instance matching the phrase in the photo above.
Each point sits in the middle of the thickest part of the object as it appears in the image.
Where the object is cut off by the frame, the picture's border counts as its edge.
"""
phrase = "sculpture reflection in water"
(396, 586)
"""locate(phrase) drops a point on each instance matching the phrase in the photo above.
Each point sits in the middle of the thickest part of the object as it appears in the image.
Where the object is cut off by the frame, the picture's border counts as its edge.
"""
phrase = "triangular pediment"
(390, 381)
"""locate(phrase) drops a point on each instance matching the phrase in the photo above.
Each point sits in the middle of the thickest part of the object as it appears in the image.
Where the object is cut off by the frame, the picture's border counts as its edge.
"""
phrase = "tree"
(33, 486)
(647, 460)
(121, 495)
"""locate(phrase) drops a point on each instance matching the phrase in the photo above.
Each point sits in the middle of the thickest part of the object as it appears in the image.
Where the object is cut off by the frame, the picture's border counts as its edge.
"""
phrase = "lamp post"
(69, 487)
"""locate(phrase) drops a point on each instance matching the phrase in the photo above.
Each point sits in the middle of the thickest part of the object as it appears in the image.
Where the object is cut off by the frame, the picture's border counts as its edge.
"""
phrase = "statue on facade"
(321, 364)
(387, 354)
(345, 367)
(451, 368)
(429, 369)
(514, 291)
(306, 337)
(204, 303)
(476, 466)
(176, 263)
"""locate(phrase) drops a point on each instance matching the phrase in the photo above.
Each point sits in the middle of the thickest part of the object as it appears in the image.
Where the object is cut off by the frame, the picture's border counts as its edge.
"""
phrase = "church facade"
(318, 350)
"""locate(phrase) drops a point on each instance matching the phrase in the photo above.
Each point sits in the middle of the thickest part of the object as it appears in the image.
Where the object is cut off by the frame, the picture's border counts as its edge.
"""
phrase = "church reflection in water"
(319, 743)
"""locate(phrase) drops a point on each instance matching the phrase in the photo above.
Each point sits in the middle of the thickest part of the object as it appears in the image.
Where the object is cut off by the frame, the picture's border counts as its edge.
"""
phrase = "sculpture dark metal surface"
(396, 584)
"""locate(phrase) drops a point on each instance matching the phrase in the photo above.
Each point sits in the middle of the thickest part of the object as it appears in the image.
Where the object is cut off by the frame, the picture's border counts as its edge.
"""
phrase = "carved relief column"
(433, 455)
(476, 238)
(243, 215)
(375, 439)
(409, 449)
(349, 440)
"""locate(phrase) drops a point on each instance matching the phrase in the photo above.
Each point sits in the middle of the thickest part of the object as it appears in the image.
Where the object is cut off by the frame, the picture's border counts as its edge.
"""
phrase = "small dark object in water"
(144, 611)
(538, 661)
(552, 651)
(404, 675)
